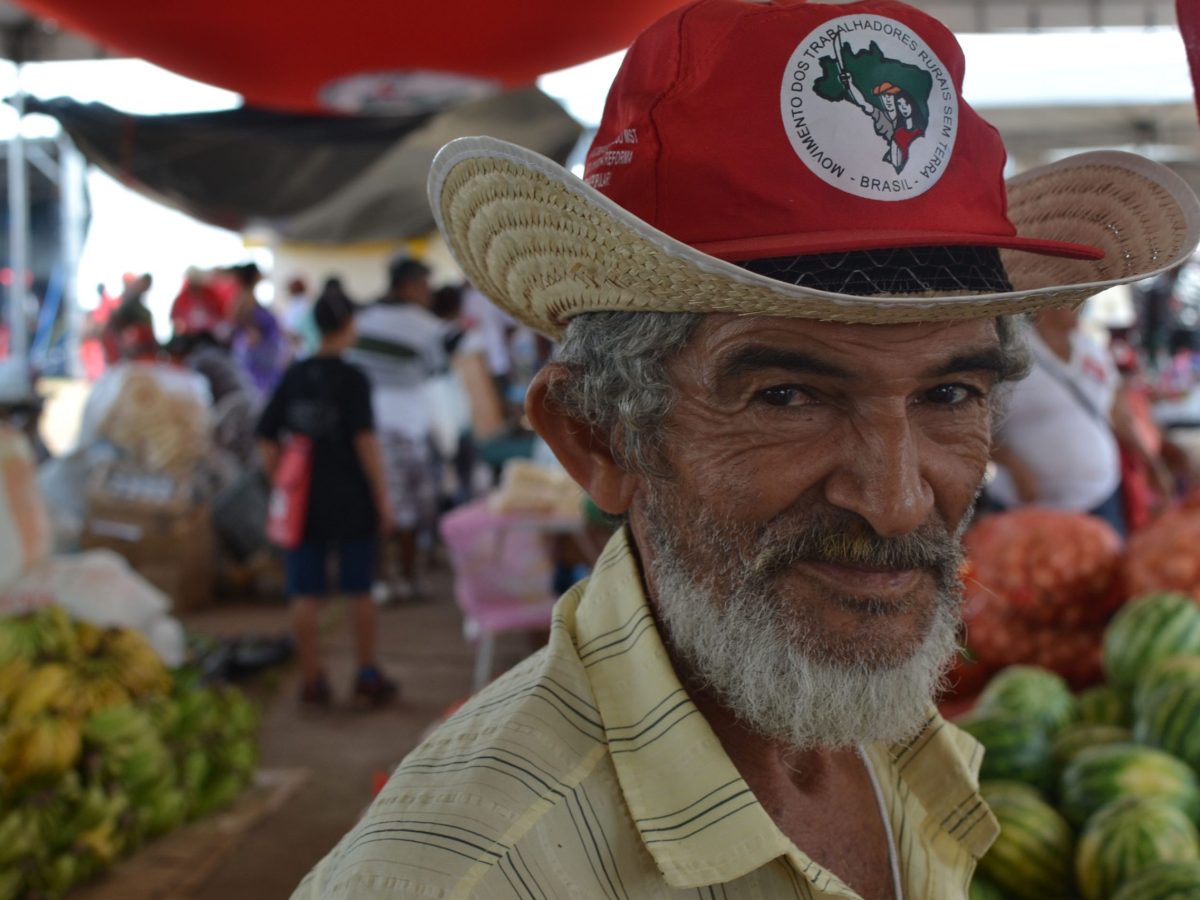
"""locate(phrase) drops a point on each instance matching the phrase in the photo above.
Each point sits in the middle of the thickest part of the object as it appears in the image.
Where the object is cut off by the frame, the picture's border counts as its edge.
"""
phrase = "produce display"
(102, 747)
(1097, 793)
(1039, 587)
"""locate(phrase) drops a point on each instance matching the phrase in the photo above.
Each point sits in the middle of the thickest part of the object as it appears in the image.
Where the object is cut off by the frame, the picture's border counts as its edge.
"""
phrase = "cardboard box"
(152, 521)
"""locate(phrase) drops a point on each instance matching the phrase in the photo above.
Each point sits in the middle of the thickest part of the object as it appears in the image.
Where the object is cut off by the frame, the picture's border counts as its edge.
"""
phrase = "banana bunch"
(12, 678)
(46, 634)
(41, 746)
(114, 732)
(20, 837)
(96, 804)
(130, 751)
(100, 692)
(136, 665)
(12, 882)
(165, 810)
(239, 757)
(220, 790)
(101, 747)
(47, 689)
(200, 715)
(102, 844)
(194, 768)
(54, 878)
(240, 714)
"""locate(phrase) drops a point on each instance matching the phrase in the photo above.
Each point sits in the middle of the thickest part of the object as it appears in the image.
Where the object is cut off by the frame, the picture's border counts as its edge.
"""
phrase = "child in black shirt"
(329, 401)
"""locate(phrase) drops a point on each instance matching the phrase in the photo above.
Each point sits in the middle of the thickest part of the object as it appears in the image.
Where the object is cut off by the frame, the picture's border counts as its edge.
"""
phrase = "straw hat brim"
(545, 246)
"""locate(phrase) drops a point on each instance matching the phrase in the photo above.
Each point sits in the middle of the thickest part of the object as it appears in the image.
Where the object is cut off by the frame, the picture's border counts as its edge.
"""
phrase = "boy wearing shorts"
(329, 401)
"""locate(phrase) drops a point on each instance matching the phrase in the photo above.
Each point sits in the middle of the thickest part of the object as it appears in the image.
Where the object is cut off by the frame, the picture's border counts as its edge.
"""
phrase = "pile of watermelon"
(1097, 792)
(1039, 588)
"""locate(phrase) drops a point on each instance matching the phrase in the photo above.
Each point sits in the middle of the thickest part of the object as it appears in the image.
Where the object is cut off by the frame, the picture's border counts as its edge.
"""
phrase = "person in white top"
(401, 345)
(1055, 445)
(494, 326)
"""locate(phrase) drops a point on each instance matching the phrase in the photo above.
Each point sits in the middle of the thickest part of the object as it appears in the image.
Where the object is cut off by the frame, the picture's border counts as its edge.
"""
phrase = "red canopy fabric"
(1188, 12)
(304, 55)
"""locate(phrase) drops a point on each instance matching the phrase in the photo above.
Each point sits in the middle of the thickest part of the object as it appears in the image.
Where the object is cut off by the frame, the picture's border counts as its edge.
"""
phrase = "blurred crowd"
(446, 369)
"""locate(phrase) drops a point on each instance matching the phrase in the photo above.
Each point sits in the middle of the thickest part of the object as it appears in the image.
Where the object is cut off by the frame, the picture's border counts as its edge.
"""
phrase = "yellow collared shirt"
(587, 772)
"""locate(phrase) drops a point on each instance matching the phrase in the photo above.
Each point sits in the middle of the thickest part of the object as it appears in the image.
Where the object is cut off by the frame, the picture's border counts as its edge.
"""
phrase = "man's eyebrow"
(756, 358)
(987, 359)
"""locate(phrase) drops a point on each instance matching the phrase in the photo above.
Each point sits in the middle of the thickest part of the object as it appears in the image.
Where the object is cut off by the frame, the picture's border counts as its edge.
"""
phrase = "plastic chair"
(502, 575)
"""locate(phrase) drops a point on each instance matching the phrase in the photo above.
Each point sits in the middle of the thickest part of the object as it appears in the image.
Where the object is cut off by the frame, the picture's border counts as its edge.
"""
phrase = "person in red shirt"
(197, 307)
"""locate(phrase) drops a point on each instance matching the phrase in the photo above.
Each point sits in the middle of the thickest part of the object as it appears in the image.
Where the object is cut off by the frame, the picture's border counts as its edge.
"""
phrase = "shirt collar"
(697, 817)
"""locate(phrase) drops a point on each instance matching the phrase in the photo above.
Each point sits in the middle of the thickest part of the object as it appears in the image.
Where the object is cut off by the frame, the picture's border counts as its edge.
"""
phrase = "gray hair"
(618, 383)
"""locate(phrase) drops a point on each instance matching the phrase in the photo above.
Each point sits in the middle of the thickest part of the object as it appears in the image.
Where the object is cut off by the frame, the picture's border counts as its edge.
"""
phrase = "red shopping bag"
(287, 511)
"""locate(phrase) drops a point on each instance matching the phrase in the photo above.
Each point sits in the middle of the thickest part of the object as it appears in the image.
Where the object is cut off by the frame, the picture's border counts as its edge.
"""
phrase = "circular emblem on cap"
(869, 108)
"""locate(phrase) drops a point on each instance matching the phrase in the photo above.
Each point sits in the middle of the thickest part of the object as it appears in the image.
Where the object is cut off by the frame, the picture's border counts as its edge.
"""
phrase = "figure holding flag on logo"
(883, 115)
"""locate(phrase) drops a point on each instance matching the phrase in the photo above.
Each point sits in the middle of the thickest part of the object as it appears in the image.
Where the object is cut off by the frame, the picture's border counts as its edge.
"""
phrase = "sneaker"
(395, 592)
(374, 689)
(316, 694)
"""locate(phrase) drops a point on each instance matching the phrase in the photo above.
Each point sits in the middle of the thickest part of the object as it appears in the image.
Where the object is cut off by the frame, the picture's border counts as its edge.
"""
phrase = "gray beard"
(743, 645)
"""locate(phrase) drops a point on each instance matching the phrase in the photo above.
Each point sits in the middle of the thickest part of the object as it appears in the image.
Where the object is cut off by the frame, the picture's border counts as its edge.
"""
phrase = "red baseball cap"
(751, 130)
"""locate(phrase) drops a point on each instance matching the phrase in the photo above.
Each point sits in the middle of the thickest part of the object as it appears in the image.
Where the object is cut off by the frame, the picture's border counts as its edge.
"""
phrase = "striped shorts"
(408, 468)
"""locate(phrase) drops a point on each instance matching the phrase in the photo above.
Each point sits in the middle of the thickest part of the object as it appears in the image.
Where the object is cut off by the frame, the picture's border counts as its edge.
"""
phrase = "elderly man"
(779, 362)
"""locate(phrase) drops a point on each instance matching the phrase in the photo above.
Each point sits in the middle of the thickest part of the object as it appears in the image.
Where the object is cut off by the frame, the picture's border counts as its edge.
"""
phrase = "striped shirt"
(586, 771)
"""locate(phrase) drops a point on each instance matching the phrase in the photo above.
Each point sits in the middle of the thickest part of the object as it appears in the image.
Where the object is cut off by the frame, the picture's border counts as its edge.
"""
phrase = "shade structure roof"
(319, 178)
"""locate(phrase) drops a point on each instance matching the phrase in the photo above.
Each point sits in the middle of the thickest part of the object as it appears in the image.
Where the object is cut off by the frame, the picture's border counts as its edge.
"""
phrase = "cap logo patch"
(869, 108)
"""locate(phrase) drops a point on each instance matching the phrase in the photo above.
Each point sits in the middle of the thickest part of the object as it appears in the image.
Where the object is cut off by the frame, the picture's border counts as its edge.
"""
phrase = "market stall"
(1081, 678)
(106, 739)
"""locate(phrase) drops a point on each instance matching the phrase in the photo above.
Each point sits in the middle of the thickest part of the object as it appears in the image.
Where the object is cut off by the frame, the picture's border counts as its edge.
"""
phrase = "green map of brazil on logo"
(894, 94)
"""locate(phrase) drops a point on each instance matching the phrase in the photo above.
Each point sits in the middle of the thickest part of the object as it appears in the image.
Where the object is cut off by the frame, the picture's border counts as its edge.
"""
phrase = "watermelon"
(1104, 705)
(1170, 719)
(1100, 775)
(1171, 670)
(1147, 629)
(982, 889)
(1080, 736)
(1162, 881)
(1128, 836)
(1032, 693)
(1032, 859)
(1018, 749)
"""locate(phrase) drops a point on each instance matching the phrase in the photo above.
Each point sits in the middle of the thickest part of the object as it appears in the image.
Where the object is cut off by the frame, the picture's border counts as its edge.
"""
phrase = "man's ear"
(585, 454)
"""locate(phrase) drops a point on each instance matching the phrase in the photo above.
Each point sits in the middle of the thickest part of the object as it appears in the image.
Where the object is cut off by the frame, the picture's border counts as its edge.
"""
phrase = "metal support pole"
(71, 175)
(18, 235)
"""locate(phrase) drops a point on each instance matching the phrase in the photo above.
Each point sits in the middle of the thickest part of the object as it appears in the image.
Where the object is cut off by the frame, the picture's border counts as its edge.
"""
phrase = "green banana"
(12, 883)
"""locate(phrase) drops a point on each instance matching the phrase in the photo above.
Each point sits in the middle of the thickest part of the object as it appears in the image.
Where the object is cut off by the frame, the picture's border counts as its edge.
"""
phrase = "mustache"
(847, 541)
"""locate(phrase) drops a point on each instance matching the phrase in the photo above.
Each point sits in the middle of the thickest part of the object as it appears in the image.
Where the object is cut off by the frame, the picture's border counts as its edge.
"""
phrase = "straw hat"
(731, 140)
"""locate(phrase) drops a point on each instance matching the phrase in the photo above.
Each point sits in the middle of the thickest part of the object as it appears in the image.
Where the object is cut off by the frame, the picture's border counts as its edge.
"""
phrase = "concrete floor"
(421, 644)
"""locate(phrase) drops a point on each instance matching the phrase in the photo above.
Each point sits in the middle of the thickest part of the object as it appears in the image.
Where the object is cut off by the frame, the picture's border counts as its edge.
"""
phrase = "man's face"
(821, 475)
(889, 103)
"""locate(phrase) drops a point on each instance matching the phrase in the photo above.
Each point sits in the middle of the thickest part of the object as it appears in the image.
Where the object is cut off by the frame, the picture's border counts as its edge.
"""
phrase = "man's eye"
(952, 394)
(785, 395)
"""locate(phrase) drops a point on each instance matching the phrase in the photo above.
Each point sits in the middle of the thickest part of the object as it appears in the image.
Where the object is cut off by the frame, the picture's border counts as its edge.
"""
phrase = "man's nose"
(878, 476)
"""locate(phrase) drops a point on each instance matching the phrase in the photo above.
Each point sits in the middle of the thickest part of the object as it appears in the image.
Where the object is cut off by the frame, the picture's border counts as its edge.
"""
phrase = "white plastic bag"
(100, 587)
